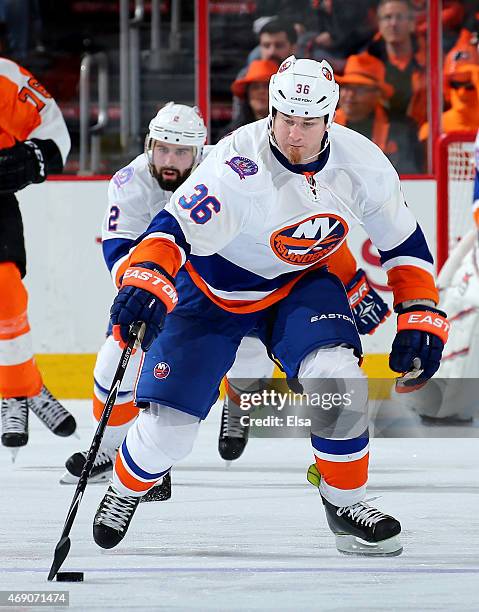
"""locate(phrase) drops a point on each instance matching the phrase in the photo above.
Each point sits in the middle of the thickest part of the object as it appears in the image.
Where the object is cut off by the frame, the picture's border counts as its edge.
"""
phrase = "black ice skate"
(14, 423)
(101, 471)
(233, 435)
(113, 517)
(52, 414)
(160, 492)
(361, 529)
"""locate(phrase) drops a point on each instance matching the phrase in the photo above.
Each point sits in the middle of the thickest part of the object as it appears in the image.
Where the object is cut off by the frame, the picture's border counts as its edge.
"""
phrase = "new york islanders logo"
(242, 166)
(161, 370)
(309, 241)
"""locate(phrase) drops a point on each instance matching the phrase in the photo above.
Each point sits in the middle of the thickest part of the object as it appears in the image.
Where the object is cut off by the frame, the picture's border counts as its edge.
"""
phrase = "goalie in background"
(34, 143)
(452, 397)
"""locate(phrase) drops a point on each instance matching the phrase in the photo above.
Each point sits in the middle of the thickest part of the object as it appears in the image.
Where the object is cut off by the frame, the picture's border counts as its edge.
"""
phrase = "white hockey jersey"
(134, 199)
(248, 227)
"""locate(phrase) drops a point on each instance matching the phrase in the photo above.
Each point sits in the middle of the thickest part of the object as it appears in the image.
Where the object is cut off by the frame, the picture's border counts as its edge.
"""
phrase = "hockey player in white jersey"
(243, 246)
(173, 148)
(451, 399)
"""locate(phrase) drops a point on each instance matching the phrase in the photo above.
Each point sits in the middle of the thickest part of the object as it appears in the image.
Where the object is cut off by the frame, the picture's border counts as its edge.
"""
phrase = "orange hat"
(258, 71)
(365, 69)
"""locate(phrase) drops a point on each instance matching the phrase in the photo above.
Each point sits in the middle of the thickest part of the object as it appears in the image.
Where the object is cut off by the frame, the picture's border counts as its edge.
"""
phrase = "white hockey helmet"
(304, 88)
(177, 124)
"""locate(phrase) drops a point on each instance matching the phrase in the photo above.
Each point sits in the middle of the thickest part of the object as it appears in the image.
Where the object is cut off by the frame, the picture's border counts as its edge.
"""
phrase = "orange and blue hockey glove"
(417, 348)
(147, 294)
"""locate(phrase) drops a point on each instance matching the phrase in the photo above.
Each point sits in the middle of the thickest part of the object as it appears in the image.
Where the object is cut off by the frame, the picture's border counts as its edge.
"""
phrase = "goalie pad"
(450, 394)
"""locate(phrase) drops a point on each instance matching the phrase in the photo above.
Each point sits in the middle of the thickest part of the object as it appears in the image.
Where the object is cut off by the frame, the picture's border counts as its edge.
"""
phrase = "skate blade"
(351, 545)
(69, 479)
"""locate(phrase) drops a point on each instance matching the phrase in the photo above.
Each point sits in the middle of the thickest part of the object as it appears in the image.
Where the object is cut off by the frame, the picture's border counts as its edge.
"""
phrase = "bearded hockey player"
(243, 246)
(173, 149)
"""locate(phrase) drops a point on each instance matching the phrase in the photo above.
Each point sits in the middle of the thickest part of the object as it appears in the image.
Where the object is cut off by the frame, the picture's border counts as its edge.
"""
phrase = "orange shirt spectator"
(362, 92)
(463, 116)
(397, 47)
(252, 91)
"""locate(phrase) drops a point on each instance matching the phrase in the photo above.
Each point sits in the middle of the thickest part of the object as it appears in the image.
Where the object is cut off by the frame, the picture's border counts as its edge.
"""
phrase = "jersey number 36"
(200, 204)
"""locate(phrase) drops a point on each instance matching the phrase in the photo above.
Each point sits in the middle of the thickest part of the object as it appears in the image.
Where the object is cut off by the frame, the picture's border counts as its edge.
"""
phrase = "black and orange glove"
(417, 348)
(147, 294)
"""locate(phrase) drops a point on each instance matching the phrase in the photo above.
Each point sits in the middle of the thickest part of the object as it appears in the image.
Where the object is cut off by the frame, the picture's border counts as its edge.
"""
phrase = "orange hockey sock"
(19, 374)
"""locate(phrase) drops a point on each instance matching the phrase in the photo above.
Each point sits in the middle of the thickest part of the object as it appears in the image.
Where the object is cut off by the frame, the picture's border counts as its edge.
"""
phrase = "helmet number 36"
(300, 88)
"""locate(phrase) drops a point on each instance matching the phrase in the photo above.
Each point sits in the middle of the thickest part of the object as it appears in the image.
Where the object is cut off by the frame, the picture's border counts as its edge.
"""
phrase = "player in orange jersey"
(34, 143)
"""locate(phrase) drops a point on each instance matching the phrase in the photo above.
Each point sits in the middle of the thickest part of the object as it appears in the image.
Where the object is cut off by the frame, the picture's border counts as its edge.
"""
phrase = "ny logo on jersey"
(309, 241)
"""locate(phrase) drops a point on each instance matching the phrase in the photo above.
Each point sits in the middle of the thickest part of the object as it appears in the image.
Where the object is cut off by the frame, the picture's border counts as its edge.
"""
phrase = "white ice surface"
(251, 537)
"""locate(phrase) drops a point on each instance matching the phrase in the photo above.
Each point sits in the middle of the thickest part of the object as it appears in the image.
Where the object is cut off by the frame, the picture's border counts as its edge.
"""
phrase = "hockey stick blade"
(63, 546)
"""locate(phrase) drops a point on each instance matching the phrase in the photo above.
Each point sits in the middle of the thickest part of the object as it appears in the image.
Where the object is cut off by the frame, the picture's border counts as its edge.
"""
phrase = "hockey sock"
(121, 418)
(343, 465)
(19, 374)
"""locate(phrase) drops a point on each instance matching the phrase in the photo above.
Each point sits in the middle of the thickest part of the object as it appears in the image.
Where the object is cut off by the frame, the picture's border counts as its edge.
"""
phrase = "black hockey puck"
(70, 577)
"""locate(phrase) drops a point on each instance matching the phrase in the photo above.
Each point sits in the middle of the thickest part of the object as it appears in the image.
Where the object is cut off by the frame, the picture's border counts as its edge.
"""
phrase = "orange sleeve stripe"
(344, 475)
(128, 480)
(17, 119)
(161, 251)
(120, 415)
(476, 216)
(411, 283)
(343, 264)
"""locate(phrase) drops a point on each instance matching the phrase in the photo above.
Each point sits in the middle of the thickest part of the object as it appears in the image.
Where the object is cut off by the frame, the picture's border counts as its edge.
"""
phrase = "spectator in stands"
(277, 41)
(298, 12)
(463, 85)
(452, 17)
(340, 28)
(252, 91)
(397, 47)
(464, 52)
(363, 91)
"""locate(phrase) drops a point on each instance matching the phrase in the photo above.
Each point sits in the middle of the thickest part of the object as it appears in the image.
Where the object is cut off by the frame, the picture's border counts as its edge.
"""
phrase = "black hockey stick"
(63, 547)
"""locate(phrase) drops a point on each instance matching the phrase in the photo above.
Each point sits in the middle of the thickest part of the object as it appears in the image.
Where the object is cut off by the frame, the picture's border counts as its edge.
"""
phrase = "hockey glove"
(21, 165)
(368, 307)
(417, 348)
(147, 294)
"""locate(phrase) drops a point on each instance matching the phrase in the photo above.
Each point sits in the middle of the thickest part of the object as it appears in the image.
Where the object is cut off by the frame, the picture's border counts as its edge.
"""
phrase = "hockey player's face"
(299, 138)
(172, 164)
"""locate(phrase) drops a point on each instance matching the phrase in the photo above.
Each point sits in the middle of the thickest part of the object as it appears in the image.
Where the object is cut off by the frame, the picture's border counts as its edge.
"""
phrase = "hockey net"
(454, 190)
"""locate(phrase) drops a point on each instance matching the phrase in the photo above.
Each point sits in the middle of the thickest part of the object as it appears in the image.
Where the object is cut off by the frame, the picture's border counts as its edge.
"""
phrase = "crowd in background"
(378, 50)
